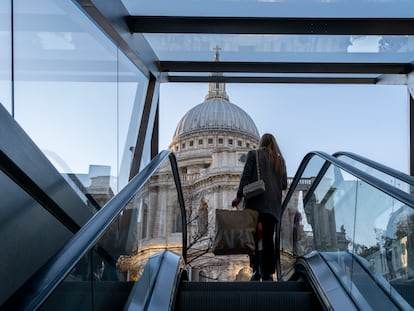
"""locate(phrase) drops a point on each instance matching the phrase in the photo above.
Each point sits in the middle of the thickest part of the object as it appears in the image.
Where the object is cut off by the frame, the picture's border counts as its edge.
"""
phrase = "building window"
(230, 141)
(210, 141)
(176, 147)
(202, 277)
(191, 143)
(239, 143)
(200, 141)
(247, 145)
(220, 141)
(177, 225)
(144, 211)
(183, 146)
(202, 219)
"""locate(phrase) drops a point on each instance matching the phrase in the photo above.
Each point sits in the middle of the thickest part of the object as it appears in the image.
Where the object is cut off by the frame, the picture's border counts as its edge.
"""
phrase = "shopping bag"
(234, 232)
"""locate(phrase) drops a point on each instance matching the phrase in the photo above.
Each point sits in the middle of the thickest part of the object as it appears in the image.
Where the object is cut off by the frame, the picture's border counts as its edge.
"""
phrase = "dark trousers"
(264, 261)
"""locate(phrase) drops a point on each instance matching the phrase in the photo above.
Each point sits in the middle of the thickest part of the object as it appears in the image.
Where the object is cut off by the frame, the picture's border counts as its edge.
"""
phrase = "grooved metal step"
(243, 296)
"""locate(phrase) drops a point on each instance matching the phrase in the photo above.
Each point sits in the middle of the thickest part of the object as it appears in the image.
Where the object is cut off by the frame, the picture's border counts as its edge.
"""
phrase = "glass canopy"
(280, 41)
(302, 38)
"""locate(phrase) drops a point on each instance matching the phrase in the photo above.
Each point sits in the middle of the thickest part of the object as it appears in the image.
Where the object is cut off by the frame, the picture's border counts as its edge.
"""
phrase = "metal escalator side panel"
(363, 286)
(328, 289)
(382, 284)
(156, 288)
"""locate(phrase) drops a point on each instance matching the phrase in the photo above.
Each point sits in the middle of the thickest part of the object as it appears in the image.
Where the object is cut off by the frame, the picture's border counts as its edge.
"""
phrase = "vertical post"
(411, 125)
(143, 127)
(155, 134)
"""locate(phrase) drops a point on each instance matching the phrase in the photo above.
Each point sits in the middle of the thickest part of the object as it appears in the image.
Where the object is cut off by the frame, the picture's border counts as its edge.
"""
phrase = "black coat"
(269, 202)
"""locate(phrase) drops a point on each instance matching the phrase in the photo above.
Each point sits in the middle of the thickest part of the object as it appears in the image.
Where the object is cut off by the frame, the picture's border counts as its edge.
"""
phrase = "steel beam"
(270, 25)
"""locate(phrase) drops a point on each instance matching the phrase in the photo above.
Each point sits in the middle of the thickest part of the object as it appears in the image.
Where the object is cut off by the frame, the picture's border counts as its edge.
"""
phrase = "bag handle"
(257, 164)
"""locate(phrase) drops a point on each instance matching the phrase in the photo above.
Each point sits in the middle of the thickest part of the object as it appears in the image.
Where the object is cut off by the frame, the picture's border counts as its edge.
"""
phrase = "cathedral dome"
(216, 113)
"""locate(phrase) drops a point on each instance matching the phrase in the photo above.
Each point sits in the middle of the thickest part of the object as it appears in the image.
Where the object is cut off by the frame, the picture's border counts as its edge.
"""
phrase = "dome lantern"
(216, 89)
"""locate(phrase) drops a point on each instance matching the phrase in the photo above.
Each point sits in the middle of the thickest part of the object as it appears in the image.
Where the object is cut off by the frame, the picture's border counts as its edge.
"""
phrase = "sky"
(370, 120)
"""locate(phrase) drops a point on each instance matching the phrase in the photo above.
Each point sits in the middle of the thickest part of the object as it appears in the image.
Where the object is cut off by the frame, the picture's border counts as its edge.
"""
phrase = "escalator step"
(227, 296)
(244, 301)
(245, 286)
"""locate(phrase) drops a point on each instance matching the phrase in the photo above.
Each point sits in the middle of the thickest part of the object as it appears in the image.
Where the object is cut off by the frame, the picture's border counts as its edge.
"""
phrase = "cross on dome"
(216, 89)
(217, 54)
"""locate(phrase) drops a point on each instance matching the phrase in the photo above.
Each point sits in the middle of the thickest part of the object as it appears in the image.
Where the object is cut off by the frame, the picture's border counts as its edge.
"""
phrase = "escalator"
(333, 250)
(355, 221)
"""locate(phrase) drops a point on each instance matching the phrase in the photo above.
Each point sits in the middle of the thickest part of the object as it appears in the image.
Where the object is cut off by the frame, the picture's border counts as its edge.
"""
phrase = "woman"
(273, 172)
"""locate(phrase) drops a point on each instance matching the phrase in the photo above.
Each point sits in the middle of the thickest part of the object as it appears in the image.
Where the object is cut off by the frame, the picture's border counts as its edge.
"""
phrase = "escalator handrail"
(378, 166)
(37, 289)
(373, 181)
(181, 202)
(329, 160)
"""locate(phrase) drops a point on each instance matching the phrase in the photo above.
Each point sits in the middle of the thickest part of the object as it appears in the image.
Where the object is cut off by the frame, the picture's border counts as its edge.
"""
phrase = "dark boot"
(256, 276)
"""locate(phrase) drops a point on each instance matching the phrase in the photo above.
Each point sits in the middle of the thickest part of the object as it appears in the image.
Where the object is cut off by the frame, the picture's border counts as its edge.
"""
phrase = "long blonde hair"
(269, 144)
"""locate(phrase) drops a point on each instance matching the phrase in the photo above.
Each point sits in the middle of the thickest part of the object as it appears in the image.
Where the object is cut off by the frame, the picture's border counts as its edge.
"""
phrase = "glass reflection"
(283, 48)
(77, 96)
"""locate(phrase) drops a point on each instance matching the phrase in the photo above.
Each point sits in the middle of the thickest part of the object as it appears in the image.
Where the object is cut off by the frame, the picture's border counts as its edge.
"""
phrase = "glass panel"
(282, 48)
(151, 222)
(313, 167)
(345, 215)
(132, 88)
(77, 96)
(290, 247)
(282, 8)
(396, 182)
(5, 55)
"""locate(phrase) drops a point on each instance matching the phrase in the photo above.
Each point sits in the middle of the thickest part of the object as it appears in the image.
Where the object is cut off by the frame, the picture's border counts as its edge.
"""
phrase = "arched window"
(202, 218)
(145, 220)
(177, 225)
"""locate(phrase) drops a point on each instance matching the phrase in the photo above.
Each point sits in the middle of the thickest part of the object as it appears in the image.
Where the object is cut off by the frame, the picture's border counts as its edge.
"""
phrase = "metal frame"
(287, 67)
(285, 80)
(270, 25)
(411, 134)
(151, 95)
(109, 15)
